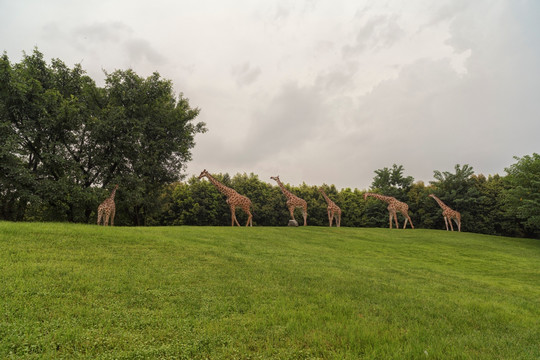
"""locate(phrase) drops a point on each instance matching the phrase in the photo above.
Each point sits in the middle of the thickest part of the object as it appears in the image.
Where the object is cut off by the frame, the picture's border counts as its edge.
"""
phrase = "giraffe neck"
(286, 192)
(330, 202)
(113, 193)
(439, 201)
(222, 188)
(387, 199)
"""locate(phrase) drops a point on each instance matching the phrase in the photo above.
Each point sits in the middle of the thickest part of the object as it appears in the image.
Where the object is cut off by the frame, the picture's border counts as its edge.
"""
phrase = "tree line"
(65, 142)
(497, 205)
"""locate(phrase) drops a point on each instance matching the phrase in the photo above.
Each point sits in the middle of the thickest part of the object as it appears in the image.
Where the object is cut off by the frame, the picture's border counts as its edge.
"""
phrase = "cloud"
(446, 11)
(377, 32)
(101, 42)
(140, 49)
(286, 122)
(115, 35)
(245, 74)
(100, 32)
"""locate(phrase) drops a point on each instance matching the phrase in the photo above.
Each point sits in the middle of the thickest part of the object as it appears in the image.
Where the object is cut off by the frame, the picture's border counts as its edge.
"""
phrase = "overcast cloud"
(318, 91)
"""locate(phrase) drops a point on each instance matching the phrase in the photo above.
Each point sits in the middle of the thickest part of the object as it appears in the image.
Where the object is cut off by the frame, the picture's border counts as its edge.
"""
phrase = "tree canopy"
(522, 196)
(64, 139)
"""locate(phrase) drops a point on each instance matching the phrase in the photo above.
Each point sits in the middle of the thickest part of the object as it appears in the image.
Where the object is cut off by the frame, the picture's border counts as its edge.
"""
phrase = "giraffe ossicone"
(293, 201)
(234, 199)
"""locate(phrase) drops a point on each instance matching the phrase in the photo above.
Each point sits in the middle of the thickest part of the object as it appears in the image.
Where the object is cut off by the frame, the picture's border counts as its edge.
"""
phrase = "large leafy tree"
(145, 137)
(522, 196)
(64, 139)
(42, 112)
(391, 181)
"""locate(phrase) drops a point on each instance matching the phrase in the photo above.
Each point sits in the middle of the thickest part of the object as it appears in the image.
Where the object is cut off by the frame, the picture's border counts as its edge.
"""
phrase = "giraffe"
(393, 206)
(107, 209)
(293, 201)
(448, 214)
(234, 199)
(333, 209)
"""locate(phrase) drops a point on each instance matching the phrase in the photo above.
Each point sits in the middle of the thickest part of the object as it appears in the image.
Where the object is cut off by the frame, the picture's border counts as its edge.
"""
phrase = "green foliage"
(522, 196)
(79, 291)
(42, 110)
(391, 182)
(352, 206)
(63, 138)
(425, 213)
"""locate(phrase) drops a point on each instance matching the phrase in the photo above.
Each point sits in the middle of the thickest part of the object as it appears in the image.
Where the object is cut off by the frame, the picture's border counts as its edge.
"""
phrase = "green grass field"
(82, 291)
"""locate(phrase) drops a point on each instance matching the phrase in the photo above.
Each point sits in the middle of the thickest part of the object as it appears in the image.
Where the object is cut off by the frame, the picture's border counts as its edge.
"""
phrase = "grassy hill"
(82, 291)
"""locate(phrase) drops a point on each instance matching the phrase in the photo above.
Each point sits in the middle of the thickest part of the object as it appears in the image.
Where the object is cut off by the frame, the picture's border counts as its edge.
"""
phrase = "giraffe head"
(275, 178)
(366, 195)
(321, 190)
(116, 187)
(203, 174)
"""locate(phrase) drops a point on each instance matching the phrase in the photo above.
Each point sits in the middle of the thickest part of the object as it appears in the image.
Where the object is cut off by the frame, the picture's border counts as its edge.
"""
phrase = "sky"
(317, 91)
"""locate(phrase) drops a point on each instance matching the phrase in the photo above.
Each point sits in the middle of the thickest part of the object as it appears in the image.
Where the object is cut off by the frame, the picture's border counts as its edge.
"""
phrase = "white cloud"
(245, 74)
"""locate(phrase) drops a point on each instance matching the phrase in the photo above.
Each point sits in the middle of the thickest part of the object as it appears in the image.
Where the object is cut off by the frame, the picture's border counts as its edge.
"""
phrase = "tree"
(522, 197)
(391, 182)
(42, 109)
(64, 140)
(427, 213)
(352, 205)
(145, 136)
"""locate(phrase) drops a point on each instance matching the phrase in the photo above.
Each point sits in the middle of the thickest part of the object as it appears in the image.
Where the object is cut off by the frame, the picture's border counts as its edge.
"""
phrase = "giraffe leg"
(330, 217)
(458, 223)
(446, 222)
(410, 221)
(99, 216)
(304, 213)
(291, 210)
(113, 212)
(405, 224)
(390, 219)
(450, 221)
(106, 221)
(233, 216)
(250, 216)
(393, 215)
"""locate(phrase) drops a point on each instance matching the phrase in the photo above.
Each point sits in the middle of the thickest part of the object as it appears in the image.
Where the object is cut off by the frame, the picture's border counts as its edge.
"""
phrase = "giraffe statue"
(107, 209)
(333, 209)
(448, 214)
(293, 201)
(234, 199)
(393, 207)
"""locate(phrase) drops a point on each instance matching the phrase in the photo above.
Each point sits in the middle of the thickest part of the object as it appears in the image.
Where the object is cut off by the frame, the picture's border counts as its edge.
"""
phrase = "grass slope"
(82, 291)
